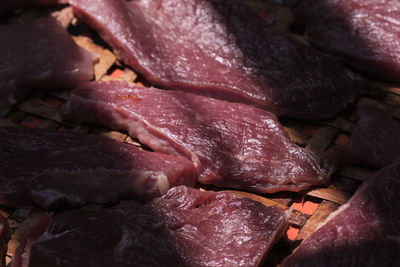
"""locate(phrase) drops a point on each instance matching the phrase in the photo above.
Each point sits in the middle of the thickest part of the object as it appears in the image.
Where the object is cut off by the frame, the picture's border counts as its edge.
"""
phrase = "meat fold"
(65, 169)
(39, 55)
(185, 227)
(375, 142)
(365, 33)
(8, 7)
(223, 50)
(231, 144)
(363, 232)
(4, 237)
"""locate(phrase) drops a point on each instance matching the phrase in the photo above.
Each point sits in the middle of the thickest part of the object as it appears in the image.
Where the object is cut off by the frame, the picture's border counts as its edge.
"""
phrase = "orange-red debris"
(342, 139)
(306, 207)
(117, 73)
(292, 233)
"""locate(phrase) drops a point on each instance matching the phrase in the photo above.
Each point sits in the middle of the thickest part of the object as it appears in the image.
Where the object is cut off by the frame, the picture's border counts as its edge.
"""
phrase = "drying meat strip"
(231, 144)
(364, 232)
(375, 142)
(39, 55)
(223, 50)
(8, 7)
(366, 33)
(185, 227)
(57, 169)
(4, 237)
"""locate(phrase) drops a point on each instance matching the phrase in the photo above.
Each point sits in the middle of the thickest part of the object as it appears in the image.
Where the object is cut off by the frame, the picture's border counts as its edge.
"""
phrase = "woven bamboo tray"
(310, 208)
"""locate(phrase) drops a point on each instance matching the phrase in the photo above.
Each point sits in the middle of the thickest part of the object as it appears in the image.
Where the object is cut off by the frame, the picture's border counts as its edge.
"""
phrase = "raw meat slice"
(231, 144)
(223, 50)
(7, 7)
(363, 232)
(57, 169)
(185, 227)
(4, 237)
(366, 33)
(375, 142)
(39, 55)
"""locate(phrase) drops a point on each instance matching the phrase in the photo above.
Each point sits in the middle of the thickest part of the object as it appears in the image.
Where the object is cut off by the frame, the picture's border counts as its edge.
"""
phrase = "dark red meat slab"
(185, 227)
(366, 33)
(223, 50)
(57, 169)
(363, 232)
(231, 144)
(4, 237)
(39, 55)
(375, 142)
(8, 7)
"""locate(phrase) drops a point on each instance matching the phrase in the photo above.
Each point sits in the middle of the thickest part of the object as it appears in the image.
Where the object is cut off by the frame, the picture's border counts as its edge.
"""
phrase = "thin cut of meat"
(363, 232)
(366, 33)
(63, 169)
(375, 142)
(8, 7)
(39, 55)
(223, 50)
(4, 237)
(185, 227)
(231, 144)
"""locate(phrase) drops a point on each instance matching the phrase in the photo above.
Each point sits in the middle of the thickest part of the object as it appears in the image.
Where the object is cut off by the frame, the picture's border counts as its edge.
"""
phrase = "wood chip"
(331, 194)
(321, 139)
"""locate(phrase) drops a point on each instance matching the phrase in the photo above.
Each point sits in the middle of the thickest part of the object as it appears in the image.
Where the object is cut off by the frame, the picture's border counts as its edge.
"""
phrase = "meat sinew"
(231, 144)
(57, 169)
(39, 55)
(375, 142)
(223, 50)
(366, 33)
(185, 227)
(364, 232)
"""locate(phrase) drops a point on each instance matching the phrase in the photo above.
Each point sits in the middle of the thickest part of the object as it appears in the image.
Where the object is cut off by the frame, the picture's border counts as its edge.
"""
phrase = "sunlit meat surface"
(223, 50)
(185, 227)
(39, 55)
(364, 232)
(64, 169)
(375, 142)
(366, 33)
(231, 144)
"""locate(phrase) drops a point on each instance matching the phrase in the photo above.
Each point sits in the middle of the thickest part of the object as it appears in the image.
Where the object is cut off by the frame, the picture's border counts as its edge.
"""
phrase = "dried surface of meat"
(375, 142)
(366, 33)
(363, 232)
(63, 169)
(231, 144)
(39, 55)
(185, 227)
(223, 50)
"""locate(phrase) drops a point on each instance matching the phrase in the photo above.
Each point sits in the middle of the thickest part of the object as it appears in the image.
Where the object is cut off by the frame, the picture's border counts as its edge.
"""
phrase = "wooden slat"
(321, 139)
(331, 194)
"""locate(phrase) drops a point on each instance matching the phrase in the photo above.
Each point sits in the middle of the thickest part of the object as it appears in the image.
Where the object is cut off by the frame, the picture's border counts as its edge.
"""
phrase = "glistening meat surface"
(364, 232)
(185, 227)
(63, 169)
(39, 55)
(223, 50)
(366, 33)
(231, 144)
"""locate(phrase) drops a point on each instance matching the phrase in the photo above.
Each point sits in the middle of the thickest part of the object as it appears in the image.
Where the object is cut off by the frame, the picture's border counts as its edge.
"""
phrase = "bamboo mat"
(309, 208)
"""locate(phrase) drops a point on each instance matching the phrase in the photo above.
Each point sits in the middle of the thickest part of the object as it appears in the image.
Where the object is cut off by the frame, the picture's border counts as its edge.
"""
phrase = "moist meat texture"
(223, 50)
(375, 142)
(39, 55)
(185, 227)
(231, 144)
(57, 169)
(366, 33)
(363, 232)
